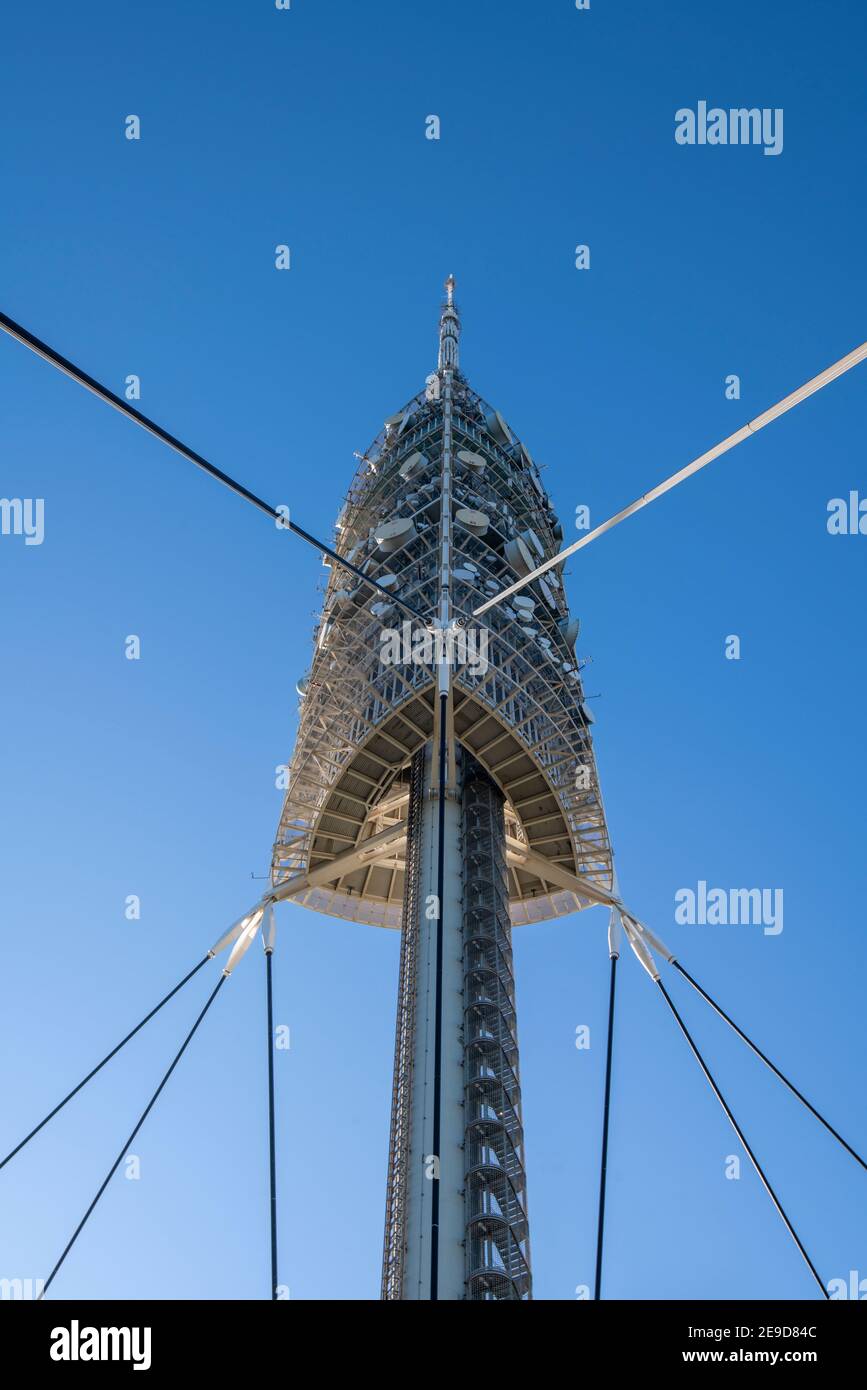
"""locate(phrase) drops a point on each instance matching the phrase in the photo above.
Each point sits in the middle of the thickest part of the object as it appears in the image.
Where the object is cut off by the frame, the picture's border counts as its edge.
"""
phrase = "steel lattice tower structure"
(443, 784)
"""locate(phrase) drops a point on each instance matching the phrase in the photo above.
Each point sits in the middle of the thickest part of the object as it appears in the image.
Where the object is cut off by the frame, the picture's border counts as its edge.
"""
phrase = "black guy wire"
(150, 1105)
(768, 1063)
(22, 335)
(438, 1011)
(107, 1058)
(742, 1137)
(603, 1169)
(272, 1138)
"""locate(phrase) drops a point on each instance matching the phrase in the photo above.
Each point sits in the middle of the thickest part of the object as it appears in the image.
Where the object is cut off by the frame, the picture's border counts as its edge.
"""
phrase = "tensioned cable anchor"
(844, 364)
(148, 1108)
(768, 1063)
(48, 354)
(269, 938)
(106, 1058)
(246, 927)
(240, 936)
(743, 1139)
(647, 942)
(642, 939)
(614, 932)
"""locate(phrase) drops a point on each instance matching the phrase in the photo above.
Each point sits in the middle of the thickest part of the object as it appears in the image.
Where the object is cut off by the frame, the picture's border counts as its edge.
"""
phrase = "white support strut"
(809, 388)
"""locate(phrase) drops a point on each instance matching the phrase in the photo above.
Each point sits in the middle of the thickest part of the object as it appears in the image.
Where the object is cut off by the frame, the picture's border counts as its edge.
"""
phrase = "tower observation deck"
(446, 509)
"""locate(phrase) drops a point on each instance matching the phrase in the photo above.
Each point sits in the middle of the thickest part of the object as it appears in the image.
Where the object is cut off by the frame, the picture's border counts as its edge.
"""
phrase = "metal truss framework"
(523, 717)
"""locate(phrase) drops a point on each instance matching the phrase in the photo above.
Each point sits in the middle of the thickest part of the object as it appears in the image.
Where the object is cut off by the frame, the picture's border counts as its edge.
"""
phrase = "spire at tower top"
(450, 330)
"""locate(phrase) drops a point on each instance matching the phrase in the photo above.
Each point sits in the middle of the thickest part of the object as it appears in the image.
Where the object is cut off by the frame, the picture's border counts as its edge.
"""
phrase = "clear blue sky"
(156, 777)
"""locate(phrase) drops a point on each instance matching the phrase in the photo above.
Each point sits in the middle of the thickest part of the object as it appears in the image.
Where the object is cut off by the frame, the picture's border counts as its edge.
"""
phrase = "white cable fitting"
(234, 931)
(615, 929)
(245, 940)
(652, 940)
(269, 928)
(641, 951)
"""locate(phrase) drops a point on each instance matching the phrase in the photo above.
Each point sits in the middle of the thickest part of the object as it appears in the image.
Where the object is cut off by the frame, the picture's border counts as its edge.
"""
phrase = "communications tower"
(443, 785)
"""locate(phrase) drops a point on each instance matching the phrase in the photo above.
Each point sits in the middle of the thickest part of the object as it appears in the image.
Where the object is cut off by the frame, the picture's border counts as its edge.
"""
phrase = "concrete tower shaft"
(496, 1240)
(482, 1217)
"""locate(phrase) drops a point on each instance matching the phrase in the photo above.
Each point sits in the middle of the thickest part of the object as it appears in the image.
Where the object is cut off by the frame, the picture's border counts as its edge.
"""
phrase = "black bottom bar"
(205, 1338)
